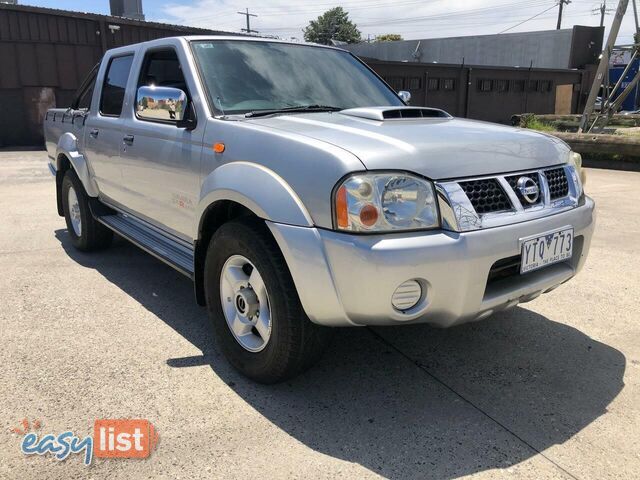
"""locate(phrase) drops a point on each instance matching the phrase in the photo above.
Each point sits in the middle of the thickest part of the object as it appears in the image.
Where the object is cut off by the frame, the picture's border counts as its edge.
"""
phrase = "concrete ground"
(548, 390)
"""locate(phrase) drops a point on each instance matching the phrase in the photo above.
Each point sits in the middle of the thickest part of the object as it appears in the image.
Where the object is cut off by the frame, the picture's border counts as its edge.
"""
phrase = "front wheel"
(86, 232)
(259, 322)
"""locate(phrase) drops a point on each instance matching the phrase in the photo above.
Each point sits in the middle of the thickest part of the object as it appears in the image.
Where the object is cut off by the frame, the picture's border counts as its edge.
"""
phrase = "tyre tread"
(305, 341)
(95, 236)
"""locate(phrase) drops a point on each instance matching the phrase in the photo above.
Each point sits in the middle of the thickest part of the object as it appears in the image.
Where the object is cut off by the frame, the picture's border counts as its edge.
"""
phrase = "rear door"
(161, 161)
(103, 126)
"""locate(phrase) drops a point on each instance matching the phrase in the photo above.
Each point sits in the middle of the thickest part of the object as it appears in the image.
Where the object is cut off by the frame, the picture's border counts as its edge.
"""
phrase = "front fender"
(258, 188)
(68, 147)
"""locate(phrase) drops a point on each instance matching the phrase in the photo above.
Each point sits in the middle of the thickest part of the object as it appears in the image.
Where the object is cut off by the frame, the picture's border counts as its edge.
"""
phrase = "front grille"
(513, 182)
(558, 183)
(490, 202)
(486, 195)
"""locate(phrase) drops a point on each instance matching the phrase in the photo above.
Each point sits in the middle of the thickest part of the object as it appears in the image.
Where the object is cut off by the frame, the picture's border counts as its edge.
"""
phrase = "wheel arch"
(68, 156)
(62, 166)
(66, 162)
(257, 188)
(215, 215)
(238, 189)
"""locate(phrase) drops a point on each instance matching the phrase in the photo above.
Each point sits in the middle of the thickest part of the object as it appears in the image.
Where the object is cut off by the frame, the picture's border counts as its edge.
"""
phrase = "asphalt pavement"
(550, 389)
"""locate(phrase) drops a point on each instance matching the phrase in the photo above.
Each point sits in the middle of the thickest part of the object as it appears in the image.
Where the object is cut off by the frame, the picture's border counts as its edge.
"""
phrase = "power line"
(282, 11)
(457, 14)
(525, 21)
(375, 4)
(315, 11)
(499, 15)
(355, 4)
(446, 24)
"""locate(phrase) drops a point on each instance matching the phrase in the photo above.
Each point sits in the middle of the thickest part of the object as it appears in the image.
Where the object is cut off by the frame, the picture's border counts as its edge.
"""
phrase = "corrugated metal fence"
(487, 93)
(45, 54)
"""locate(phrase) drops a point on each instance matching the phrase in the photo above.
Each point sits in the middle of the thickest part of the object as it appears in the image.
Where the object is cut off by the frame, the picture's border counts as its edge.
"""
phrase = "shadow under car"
(405, 402)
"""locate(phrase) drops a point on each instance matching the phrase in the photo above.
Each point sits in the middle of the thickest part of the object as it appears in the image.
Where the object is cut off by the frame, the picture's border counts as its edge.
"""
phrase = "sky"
(412, 19)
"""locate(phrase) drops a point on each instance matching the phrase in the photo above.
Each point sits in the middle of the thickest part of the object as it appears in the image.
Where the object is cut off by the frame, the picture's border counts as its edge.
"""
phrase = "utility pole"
(602, 10)
(248, 15)
(603, 67)
(561, 4)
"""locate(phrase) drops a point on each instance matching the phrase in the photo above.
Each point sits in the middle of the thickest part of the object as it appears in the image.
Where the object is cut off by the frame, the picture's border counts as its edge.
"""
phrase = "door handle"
(128, 139)
(94, 133)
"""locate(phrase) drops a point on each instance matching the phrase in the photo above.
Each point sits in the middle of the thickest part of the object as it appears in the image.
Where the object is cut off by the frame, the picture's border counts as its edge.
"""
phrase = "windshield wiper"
(295, 109)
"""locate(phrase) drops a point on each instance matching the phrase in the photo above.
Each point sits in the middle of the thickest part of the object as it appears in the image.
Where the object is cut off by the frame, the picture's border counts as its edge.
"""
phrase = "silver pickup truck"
(299, 192)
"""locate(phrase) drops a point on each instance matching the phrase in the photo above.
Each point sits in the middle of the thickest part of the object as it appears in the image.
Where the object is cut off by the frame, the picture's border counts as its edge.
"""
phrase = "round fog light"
(407, 295)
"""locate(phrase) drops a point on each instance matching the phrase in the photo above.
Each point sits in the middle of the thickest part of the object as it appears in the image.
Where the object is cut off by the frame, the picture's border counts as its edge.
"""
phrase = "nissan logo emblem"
(528, 189)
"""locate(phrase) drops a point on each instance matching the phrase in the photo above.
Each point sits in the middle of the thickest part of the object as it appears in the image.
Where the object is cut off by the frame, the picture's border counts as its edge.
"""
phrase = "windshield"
(248, 76)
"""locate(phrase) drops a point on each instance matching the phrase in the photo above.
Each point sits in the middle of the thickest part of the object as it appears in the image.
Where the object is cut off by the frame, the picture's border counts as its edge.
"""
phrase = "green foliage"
(333, 24)
(389, 37)
(533, 123)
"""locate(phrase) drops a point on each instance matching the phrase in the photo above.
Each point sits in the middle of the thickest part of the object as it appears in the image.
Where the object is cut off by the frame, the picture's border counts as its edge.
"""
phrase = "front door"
(161, 161)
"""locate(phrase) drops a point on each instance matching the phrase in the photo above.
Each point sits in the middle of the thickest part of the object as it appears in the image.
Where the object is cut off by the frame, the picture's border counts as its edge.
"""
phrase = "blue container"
(632, 102)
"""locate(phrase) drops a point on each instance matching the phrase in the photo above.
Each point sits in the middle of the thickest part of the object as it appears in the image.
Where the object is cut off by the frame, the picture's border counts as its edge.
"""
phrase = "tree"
(389, 37)
(333, 24)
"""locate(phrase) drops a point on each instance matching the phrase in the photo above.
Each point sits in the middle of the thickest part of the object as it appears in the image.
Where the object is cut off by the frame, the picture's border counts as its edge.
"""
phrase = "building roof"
(113, 19)
(560, 49)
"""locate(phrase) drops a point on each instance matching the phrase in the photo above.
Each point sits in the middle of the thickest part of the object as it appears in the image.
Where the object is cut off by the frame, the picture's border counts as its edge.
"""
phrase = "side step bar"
(174, 252)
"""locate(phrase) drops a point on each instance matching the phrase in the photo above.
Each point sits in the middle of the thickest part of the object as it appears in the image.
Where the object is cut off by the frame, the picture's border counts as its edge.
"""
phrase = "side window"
(161, 68)
(114, 85)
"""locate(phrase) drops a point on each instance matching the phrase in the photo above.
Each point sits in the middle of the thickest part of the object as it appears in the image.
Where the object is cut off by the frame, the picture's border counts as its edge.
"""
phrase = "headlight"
(379, 202)
(578, 174)
(575, 159)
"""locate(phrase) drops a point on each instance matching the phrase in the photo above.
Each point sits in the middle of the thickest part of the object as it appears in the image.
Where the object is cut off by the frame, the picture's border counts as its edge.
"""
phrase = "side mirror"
(163, 104)
(404, 96)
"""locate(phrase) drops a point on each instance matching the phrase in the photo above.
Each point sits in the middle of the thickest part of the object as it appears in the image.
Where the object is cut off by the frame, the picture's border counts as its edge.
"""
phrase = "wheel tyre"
(93, 235)
(295, 343)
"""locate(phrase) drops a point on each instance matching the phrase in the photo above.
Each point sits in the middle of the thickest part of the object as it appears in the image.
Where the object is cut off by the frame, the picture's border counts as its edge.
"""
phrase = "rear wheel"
(86, 232)
(259, 322)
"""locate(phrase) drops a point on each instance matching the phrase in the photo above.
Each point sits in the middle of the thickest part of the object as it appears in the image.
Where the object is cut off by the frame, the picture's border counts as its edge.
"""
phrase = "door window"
(84, 95)
(84, 100)
(114, 85)
(162, 68)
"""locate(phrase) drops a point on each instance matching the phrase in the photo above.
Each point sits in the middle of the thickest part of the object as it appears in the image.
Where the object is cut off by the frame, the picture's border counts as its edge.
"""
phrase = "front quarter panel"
(256, 187)
(282, 177)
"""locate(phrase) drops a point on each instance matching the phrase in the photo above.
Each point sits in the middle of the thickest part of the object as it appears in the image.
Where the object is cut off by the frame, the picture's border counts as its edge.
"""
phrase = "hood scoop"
(395, 113)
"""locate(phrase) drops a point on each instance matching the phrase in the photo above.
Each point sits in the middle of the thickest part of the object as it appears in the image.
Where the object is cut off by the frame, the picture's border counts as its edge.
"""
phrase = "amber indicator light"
(369, 215)
(342, 216)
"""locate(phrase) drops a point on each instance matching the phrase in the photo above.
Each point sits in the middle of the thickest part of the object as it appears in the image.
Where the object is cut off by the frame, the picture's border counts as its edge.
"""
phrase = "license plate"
(546, 249)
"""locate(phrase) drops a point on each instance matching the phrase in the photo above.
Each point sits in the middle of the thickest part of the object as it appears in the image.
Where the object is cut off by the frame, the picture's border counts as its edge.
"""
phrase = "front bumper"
(346, 280)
